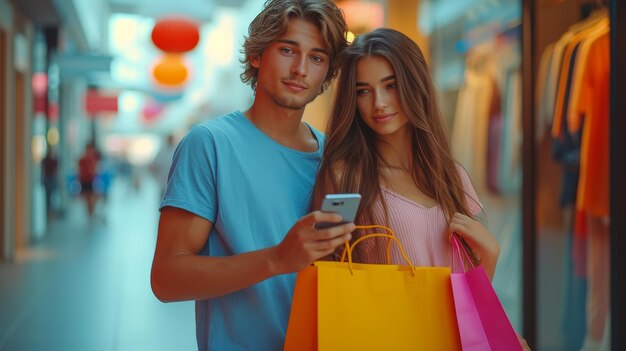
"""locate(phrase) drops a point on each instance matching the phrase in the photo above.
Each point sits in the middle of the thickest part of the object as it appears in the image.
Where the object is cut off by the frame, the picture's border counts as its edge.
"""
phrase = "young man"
(234, 217)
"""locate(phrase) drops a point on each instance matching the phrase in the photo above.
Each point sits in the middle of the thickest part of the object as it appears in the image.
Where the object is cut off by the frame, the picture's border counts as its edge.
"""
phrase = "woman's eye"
(392, 86)
(361, 91)
(286, 50)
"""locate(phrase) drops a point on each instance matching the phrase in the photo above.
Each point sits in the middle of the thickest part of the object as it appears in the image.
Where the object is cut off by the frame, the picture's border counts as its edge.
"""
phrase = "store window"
(571, 113)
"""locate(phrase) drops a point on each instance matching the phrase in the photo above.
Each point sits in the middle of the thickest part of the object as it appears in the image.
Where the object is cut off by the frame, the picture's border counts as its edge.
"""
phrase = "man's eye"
(286, 51)
(317, 59)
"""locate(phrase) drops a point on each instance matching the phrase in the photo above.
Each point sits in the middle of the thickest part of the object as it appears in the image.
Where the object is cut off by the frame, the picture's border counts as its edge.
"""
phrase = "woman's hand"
(482, 242)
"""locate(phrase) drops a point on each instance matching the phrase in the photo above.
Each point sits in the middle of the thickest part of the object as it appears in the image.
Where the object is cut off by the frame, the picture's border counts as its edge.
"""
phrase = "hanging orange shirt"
(560, 102)
(593, 104)
(574, 118)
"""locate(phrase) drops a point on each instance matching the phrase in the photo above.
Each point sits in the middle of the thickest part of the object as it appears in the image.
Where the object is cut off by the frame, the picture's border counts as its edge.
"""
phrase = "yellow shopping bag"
(352, 306)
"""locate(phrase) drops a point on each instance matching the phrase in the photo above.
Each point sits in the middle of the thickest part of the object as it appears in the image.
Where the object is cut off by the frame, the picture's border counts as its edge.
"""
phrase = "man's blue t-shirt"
(253, 190)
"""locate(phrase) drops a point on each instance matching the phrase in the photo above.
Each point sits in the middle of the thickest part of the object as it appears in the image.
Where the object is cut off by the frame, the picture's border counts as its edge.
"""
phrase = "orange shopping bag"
(352, 306)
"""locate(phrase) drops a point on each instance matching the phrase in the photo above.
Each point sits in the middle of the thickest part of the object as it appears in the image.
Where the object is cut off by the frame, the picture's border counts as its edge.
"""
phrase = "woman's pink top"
(421, 230)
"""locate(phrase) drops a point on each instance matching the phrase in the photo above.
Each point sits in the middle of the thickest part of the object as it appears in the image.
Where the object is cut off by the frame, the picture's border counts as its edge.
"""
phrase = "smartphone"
(344, 204)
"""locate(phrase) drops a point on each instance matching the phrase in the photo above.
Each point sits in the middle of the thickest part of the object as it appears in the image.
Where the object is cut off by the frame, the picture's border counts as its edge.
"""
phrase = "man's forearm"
(191, 277)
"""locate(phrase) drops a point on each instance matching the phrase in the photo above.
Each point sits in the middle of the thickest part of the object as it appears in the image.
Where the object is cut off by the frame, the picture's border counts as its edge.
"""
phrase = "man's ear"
(255, 60)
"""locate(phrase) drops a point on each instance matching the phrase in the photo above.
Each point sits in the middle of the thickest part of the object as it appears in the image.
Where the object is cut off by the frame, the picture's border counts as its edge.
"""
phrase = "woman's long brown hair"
(351, 162)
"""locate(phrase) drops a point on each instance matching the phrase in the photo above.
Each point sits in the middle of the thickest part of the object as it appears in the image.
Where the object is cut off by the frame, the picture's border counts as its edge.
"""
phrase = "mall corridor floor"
(85, 285)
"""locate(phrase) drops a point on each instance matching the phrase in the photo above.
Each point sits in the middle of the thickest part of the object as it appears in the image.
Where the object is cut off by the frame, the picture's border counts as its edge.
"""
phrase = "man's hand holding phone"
(317, 234)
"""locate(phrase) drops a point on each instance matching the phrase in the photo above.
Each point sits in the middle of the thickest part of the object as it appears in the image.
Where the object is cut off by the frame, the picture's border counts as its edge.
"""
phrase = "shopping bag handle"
(350, 248)
(457, 248)
(389, 231)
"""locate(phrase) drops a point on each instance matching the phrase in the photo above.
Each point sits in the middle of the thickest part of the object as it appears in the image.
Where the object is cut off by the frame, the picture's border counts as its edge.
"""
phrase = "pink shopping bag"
(483, 323)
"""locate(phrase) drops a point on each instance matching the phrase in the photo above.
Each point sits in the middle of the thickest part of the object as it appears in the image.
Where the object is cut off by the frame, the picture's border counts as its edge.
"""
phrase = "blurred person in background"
(87, 172)
(49, 178)
(234, 226)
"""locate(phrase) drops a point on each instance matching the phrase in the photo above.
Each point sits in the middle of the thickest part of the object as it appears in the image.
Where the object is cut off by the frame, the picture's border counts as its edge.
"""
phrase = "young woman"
(386, 141)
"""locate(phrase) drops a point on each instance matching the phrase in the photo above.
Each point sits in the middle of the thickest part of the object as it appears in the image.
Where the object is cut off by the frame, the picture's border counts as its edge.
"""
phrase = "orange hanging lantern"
(175, 34)
(170, 71)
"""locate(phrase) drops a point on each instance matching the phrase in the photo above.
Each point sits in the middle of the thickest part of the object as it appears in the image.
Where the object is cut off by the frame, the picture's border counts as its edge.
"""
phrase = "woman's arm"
(482, 242)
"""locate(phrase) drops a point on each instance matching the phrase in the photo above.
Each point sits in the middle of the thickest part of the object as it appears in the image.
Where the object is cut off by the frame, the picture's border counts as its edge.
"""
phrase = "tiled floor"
(86, 286)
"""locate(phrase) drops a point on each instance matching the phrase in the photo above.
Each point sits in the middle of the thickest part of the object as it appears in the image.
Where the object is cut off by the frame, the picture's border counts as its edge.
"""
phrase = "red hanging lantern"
(170, 71)
(175, 34)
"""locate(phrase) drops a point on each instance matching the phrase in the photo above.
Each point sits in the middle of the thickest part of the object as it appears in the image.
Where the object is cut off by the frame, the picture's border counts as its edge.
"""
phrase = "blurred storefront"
(37, 104)
(75, 71)
(16, 36)
(575, 136)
